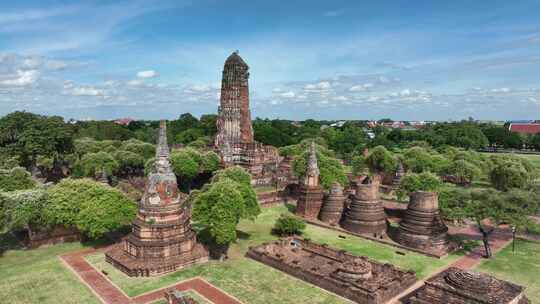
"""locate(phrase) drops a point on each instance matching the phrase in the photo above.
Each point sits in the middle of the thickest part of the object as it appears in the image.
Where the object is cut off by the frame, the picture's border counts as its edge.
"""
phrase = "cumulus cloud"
(289, 94)
(135, 82)
(361, 87)
(321, 86)
(21, 78)
(199, 88)
(84, 91)
(147, 74)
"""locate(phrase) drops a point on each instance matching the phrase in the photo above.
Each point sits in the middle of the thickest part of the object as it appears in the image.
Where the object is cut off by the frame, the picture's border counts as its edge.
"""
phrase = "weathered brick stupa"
(234, 139)
(366, 212)
(459, 286)
(421, 227)
(356, 278)
(333, 204)
(310, 194)
(162, 239)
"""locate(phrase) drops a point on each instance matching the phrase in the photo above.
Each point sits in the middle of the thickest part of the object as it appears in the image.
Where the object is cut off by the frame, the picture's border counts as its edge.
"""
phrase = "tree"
(288, 225)
(358, 165)
(27, 136)
(128, 162)
(15, 179)
(380, 160)
(189, 135)
(463, 171)
(23, 209)
(145, 150)
(508, 175)
(93, 164)
(425, 181)
(185, 164)
(417, 160)
(220, 205)
(210, 162)
(93, 208)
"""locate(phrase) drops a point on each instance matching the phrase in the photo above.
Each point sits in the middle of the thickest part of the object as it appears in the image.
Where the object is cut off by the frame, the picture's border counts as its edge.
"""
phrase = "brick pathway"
(108, 293)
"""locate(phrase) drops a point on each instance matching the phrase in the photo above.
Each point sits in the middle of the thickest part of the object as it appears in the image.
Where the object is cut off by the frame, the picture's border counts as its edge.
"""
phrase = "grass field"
(255, 283)
(521, 267)
(533, 158)
(38, 276)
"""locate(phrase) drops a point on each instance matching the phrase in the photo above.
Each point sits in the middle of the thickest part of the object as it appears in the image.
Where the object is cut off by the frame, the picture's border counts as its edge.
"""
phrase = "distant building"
(124, 121)
(525, 128)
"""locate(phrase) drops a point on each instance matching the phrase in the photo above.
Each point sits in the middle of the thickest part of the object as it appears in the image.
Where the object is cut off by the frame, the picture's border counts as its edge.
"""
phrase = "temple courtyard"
(41, 276)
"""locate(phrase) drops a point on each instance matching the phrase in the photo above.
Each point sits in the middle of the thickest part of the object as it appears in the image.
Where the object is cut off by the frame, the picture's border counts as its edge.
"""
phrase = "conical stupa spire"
(313, 167)
(163, 164)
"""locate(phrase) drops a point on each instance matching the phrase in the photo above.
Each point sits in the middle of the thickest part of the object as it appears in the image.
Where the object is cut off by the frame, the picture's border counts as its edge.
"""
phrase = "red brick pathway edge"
(107, 292)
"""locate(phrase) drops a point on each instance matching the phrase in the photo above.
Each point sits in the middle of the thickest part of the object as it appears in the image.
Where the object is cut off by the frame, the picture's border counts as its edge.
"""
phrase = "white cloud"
(340, 98)
(361, 87)
(22, 78)
(135, 82)
(321, 86)
(500, 90)
(198, 88)
(84, 91)
(277, 90)
(147, 74)
(288, 94)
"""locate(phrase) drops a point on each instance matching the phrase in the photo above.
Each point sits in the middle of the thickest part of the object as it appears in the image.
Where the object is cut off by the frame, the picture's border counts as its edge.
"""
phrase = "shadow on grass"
(10, 241)
(290, 207)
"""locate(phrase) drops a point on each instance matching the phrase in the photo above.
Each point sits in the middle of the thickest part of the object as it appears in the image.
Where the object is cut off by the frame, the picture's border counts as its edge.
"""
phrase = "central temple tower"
(234, 116)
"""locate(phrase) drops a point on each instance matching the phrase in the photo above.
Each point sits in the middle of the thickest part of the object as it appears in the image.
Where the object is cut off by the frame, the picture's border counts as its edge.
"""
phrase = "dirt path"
(109, 293)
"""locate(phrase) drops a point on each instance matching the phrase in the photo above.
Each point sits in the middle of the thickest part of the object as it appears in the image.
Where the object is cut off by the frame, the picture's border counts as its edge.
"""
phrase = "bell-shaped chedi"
(365, 214)
(421, 227)
(310, 193)
(332, 207)
(161, 239)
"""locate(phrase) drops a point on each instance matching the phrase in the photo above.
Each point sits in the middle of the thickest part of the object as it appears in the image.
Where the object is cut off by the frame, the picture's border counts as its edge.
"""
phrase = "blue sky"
(416, 60)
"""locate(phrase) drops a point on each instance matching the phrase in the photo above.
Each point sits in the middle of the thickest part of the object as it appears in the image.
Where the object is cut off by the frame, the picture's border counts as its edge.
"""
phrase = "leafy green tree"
(129, 163)
(220, 205)
(15, 179)
(235, 173)
(535, 142)
(453, 201)
(143, 149)
(93, 164)
(26, 136)
(210, 162)
(380, 160)
(358, 165)
(462, 170)
(508, 175)
(288, 224)
(91, 207)
(23, 209)
(425, 181)
(417, 160)
(189, 135)
(185, 165)
(208, 124)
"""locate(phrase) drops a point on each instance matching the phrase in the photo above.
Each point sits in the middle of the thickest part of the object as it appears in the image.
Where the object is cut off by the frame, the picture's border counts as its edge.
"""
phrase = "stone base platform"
(153, 267)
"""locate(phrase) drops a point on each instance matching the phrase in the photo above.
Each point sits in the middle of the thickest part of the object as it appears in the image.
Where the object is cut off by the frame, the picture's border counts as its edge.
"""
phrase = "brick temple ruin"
(333, 204)
(234, 139)
(422, 227)
(365, 214)
(356, 278)
(310, 196)
(465, 287)
(161, 240)
(174, 296)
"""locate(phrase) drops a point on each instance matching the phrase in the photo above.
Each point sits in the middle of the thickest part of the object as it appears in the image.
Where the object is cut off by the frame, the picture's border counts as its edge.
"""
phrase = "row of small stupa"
(421, 226)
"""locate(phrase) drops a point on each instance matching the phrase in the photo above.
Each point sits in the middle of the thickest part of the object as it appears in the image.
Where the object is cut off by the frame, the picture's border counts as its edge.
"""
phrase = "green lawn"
(521, 267)
(38, 276)
(255, 283)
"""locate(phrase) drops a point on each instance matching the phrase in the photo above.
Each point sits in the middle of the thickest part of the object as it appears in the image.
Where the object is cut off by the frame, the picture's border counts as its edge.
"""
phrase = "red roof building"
(525, 128)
